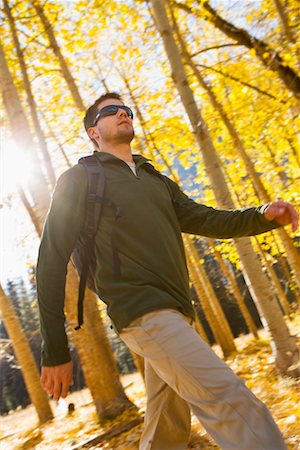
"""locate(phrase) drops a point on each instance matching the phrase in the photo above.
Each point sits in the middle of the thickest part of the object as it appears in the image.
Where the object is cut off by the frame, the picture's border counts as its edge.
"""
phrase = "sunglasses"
(111, 110)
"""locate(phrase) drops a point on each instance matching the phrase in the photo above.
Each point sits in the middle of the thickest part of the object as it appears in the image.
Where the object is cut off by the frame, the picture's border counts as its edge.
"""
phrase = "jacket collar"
(105, 157)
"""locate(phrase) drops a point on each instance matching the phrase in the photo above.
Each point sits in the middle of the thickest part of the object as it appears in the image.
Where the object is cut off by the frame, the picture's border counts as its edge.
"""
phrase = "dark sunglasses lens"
(113, 109)
(109, 111)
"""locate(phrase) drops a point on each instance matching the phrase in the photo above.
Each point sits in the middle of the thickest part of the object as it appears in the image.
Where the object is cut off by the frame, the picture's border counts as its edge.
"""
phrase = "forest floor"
(254, 363)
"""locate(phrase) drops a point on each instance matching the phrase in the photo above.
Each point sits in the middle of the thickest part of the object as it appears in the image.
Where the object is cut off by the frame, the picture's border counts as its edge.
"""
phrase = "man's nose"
(122, 112)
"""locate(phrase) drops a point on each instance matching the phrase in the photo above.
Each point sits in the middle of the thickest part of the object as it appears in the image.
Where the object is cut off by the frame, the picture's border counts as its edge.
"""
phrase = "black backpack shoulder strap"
(96, 182)
(95, 191)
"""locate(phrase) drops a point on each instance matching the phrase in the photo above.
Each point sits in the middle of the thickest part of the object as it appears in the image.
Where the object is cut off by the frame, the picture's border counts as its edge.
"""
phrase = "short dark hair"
(91, 112)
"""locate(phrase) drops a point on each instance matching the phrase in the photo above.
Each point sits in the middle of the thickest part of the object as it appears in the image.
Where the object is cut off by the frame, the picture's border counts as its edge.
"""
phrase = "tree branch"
(267, 55)
(251, 86)
(214, 47)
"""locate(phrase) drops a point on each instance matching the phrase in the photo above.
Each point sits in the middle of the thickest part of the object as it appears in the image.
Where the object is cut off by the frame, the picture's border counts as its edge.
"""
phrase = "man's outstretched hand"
(283, 213)
(56, 380)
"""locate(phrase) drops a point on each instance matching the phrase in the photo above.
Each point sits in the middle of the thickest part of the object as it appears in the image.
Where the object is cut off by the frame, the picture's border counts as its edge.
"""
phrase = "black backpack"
(83, 255)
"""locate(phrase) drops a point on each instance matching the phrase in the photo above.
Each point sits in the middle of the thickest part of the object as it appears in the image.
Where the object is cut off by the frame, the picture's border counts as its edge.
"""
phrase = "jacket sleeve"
(61, 230)
(195, 218)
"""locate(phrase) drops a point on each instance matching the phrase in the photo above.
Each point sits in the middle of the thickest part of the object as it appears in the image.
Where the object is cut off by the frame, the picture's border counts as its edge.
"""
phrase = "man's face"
(117, 129)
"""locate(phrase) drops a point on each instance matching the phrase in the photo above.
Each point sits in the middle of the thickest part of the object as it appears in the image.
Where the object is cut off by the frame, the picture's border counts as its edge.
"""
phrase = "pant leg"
(231, 414)
(168, 417)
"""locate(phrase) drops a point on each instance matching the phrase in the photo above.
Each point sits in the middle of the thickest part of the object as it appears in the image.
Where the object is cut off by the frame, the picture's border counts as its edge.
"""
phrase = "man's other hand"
(283, 213)
(56, 380)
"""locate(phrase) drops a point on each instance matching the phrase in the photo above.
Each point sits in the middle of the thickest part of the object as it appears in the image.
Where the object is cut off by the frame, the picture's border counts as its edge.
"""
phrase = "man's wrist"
(55, 359)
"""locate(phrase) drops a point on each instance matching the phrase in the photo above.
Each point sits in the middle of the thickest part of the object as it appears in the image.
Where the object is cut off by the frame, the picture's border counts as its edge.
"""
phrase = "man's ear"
(93, 133)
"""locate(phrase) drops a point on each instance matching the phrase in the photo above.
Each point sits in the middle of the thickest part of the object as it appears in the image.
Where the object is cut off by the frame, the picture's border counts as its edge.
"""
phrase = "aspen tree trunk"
(22, 136)
(277, 286)
(286, 351)
(200, 329)
(281, 295)
(30, 98)
(284, 21)
(94, 349)
(34, 219)
(221, 338)
(56, 140)
(236, 291)
(282, 258)
(292, 253)
(57, 51)
(211, 295)
(266, 54)
(276, 166)
(25, 358)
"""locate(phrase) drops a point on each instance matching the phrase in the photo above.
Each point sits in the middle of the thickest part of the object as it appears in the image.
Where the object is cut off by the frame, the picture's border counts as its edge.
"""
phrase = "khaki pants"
(183, 374)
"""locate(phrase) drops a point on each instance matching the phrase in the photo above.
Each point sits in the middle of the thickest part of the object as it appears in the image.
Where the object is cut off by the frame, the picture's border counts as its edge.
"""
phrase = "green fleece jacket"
(146, 225)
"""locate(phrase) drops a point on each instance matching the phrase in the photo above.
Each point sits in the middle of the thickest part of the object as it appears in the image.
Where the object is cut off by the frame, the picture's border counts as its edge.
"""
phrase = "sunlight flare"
(16, 167)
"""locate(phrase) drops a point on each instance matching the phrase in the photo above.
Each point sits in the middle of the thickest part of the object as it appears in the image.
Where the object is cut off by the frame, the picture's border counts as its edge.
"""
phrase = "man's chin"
(125, 137)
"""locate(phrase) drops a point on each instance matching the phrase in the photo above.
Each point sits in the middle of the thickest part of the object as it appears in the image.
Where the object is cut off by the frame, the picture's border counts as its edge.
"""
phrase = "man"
(141, 275)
